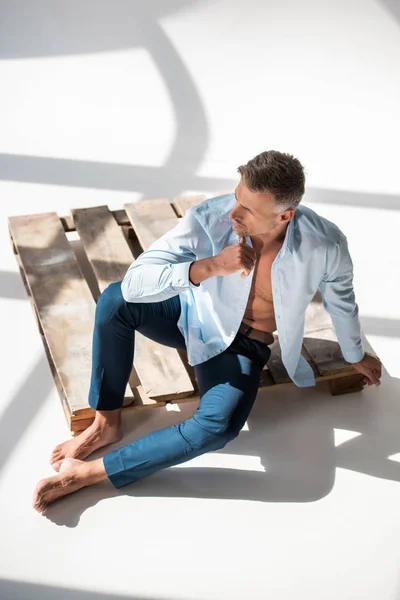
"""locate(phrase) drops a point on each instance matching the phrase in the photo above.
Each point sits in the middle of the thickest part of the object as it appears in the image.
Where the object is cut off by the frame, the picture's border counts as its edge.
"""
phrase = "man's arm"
(339, 300)
(162, 271)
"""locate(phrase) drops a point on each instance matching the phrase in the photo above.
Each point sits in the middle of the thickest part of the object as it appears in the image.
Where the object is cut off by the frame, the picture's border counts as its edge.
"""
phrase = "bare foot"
(93, 438)
(74, 475)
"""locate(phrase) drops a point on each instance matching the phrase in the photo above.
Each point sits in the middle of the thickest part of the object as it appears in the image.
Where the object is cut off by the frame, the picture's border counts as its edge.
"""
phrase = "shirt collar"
(289, 237)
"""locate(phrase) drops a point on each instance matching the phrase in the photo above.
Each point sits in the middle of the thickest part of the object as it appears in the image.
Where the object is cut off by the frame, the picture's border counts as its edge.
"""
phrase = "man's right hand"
(235, 258)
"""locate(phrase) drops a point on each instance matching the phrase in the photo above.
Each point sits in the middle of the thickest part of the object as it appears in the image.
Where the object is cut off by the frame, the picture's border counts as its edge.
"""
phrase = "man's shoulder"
(215, 208)
(310, 223)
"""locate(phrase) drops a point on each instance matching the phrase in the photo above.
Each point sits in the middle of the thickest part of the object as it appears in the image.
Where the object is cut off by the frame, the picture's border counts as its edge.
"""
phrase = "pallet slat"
(161, 372)
(183, 203)
(151, 219)
(63, 302)
(276, 367)
(320, 340)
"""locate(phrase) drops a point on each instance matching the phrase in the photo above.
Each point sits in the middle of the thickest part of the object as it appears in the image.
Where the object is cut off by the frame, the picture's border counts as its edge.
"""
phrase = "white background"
(107, 102)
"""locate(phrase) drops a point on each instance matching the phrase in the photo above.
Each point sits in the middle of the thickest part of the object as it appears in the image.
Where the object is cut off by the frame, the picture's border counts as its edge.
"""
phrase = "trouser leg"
(228, 385)
(114, 340)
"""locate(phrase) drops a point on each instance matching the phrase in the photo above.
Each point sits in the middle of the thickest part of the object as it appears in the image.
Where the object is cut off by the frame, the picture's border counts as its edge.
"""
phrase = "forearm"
(348, 332)
(339, 301)
(155, 282)
(201, 270)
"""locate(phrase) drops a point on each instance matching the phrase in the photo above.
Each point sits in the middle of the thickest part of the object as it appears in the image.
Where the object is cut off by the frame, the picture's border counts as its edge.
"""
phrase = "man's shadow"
(291, 429)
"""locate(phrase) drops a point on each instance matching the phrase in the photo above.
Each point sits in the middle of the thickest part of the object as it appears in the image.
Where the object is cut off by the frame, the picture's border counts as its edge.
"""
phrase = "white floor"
(101, 104)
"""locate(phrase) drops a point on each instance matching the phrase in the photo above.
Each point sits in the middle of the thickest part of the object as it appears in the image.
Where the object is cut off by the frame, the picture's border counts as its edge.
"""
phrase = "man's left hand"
(371, 367)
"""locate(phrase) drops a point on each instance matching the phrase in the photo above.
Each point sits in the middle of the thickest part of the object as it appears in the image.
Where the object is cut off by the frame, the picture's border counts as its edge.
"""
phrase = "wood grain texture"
(151, 219)
(320, 340)
(63, 302)
(183, 203)
(346, 385)
(119, 215)
(276, 367)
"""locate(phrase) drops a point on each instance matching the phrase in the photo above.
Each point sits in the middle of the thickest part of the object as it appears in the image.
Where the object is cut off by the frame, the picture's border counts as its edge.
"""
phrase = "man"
(234, 270)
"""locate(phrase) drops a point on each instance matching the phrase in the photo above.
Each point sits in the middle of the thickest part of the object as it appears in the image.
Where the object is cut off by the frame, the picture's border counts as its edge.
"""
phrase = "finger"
(242, 240)
(248, 257)
(249, 252)
(247, 265)
(245, 271)
(373, 378)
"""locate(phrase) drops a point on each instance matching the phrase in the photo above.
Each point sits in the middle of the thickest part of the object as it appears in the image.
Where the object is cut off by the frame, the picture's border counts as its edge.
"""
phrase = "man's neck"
(265, 244)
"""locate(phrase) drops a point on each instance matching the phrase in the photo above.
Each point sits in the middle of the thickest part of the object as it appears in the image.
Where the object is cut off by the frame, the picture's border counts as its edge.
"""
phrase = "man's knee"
(206, 436)
(109, 302)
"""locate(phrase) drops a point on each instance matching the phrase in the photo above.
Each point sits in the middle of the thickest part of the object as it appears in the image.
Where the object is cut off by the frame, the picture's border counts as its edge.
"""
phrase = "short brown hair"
(278, 173)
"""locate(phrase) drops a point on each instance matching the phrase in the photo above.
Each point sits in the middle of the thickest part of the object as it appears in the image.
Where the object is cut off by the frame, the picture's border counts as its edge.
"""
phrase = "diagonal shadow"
(60, 29)
(392, 7)
(166, 181)
(10, 286)
(151, 181)
(24, 406)
(118, 25)
(21, 590)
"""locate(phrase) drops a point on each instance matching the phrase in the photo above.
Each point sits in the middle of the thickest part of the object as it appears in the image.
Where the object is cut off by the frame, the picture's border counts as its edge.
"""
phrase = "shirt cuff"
(180, 276)
(353, 356)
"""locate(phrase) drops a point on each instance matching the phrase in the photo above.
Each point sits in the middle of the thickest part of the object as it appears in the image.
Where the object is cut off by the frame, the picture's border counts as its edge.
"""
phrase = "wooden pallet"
(64, 307)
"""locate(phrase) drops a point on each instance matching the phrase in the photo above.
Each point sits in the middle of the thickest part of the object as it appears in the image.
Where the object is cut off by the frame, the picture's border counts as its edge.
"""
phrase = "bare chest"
(261, 287)
(259, 311)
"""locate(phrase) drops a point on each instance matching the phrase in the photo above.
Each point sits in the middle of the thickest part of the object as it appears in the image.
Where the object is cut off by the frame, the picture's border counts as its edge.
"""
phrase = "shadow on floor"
(291, 430)
(19, 590)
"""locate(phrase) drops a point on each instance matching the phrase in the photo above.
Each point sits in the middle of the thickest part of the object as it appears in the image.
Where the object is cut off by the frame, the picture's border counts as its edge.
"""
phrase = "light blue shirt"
(314, 255)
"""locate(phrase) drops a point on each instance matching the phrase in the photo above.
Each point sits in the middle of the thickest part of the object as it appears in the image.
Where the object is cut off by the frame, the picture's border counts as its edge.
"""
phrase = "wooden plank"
(63, 302)
(276, 367)
(160, 369)
(320, 340)
(346, 385)
(266, 379)
(183, 203)
(151, 219)
(119, 215)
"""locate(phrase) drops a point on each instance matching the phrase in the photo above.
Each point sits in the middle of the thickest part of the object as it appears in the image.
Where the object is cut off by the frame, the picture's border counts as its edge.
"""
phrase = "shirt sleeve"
(162, 271)
(338, 299)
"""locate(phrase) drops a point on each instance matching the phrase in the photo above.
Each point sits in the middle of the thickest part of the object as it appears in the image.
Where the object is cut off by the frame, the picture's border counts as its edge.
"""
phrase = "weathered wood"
(266, 379)
(161, 372)
(151, 219)
(346, 385)
(62, 300)
(320, 340)
(276, 367)
(183, 203)
(119, 215)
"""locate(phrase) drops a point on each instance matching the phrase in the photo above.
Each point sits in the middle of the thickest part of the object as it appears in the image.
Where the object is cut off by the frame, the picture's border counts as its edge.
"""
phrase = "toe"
(57, 449)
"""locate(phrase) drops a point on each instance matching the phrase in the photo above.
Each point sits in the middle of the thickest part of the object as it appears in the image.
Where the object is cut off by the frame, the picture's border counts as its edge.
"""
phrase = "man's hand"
(235, 258)
(371, 367)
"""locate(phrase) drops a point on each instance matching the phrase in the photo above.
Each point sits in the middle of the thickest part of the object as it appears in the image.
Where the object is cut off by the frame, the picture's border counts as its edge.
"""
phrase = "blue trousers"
(227, 383)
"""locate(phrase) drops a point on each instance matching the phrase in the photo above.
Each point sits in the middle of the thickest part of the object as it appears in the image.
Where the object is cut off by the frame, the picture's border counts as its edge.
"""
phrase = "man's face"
(253, 212)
